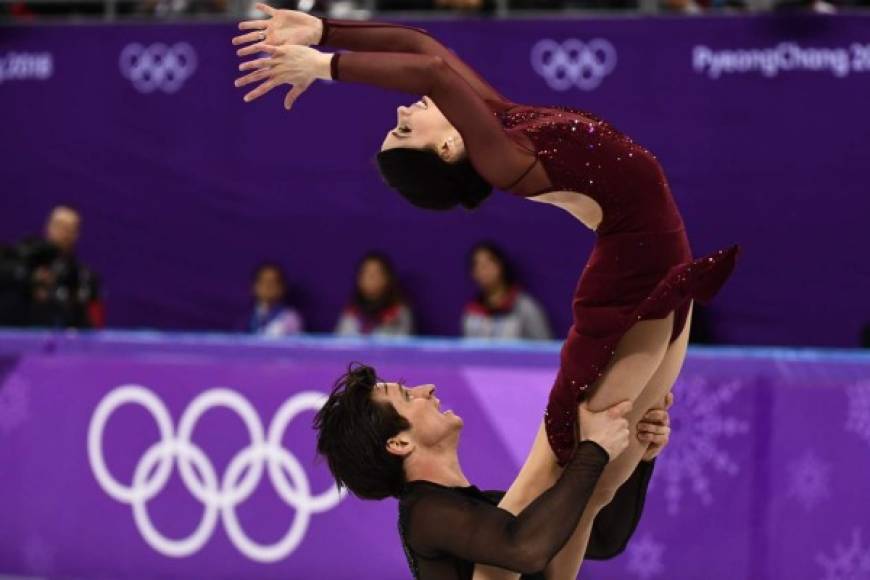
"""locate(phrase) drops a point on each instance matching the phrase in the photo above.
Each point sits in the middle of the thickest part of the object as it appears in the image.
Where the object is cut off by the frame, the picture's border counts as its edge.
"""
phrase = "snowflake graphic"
(858, 421)
(851, 562)
(14, 397)
(645, 557)
(694, 449)
(809, 479)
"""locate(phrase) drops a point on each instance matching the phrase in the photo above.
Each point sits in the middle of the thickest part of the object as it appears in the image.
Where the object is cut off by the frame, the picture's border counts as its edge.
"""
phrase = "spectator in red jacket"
(501, 308)
(377, 306)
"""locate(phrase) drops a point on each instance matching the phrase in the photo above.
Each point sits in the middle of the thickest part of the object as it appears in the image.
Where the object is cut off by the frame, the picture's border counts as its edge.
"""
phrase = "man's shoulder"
(419, 489)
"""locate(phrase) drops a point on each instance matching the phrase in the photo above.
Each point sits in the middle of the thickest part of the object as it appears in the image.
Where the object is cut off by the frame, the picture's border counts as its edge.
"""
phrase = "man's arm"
(615, 524)
(482, 533)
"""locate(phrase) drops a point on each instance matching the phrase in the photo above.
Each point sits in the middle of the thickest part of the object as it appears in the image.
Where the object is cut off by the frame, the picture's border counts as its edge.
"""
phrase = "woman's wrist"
(323, 69)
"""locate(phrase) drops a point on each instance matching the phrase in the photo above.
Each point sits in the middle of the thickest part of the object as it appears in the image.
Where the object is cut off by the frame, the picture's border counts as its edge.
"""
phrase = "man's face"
(430, 426)
(62, 228)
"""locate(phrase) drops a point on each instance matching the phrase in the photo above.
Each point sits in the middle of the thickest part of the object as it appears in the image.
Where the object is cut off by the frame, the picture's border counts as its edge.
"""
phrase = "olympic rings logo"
(158, 66)
(219, 496)
(573, 62)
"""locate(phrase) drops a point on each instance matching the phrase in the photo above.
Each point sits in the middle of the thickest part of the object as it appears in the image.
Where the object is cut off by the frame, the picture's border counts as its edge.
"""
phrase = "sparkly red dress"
(641, 266)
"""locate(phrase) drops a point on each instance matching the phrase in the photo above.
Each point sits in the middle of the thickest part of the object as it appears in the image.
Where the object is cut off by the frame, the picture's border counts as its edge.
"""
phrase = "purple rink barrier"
(130, 456)
(759, 122)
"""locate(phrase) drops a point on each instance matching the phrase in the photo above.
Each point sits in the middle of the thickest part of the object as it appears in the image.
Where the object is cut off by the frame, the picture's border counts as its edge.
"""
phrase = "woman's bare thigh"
(653, 393)
(636, 358)
(568, 561)
(638, 354)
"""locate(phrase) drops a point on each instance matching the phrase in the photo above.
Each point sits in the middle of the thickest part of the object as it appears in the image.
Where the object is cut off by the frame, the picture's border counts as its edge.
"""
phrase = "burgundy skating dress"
(641, 266)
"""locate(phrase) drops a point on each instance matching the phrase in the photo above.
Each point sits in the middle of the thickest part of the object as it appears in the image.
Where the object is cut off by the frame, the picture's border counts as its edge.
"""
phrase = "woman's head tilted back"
(424, 159)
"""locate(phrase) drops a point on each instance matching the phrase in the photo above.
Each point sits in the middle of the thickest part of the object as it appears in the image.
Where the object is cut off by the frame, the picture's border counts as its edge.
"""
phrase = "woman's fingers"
(294, 94)
(270, 49)
(253, 24)
(253, 77)
(657, 416)
(249, 37)
(653, 438)
(251, 49)
(261, 90)
(257, 63)
(266, 8)
(653, 428)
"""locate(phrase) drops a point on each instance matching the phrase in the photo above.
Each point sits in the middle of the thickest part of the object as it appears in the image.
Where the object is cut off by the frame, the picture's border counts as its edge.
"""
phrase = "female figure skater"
(633, 302)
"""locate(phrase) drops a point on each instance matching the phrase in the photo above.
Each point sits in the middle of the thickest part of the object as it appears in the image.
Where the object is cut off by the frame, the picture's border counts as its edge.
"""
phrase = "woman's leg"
(566, 564)
(638, 355)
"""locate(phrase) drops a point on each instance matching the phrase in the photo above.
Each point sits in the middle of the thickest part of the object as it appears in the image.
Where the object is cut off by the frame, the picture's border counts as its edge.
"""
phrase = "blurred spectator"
(377, 305)
(272, 316)
(458, 5)
(42, 283)
(181, 7)
(472, 6)
(501, 309)
(23, 10)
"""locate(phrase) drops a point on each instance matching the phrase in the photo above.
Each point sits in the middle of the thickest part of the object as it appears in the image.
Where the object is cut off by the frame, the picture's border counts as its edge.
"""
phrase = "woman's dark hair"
(392, 293)
(265, 266)
(352, 433)
(508, 274)
(429, 182)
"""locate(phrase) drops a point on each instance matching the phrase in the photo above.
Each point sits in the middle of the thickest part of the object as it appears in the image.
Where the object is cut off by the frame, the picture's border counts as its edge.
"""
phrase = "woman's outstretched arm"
(296, 27)
(387, 37)
(497, 157)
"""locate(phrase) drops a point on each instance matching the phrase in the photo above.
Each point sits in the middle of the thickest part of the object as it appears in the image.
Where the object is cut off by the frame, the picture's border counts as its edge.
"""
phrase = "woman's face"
(269, 287)
(372, 280)
(485, 270)
(418, 126)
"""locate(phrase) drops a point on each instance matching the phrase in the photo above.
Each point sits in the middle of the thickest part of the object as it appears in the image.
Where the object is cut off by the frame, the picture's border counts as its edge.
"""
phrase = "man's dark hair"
(352, 433)
(429, 182)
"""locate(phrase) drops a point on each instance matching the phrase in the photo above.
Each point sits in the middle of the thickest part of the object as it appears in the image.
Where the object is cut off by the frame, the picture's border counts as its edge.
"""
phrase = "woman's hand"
(608, 428)
(282, 27)
(655, 428)
(293, 65)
